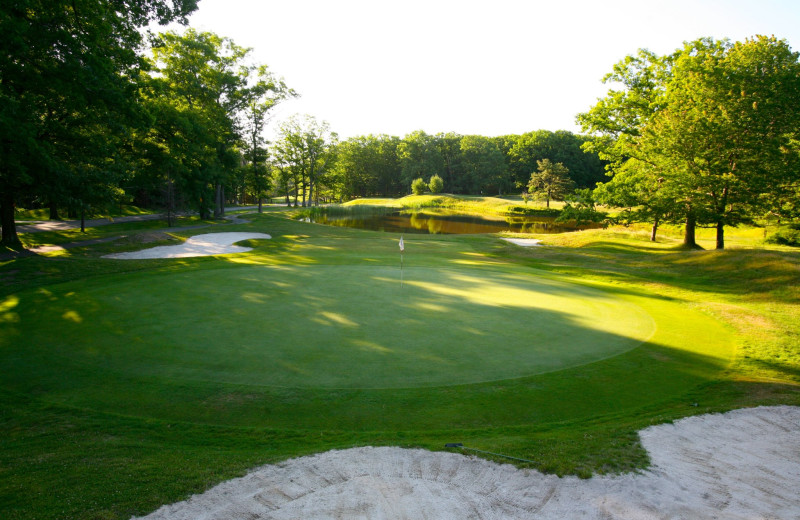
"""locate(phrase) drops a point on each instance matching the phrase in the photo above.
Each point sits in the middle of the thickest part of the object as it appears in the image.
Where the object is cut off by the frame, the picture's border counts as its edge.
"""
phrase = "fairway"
(332, 326)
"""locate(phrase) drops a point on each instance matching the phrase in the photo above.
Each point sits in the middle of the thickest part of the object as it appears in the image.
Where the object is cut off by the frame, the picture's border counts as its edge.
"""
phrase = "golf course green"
(333, 326)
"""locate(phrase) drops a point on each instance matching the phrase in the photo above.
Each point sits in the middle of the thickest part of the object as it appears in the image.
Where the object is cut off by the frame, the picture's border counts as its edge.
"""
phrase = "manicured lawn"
(129, 384)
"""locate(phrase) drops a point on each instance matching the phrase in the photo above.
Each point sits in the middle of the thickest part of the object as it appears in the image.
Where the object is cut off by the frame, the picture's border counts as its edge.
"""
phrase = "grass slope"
(101, 424)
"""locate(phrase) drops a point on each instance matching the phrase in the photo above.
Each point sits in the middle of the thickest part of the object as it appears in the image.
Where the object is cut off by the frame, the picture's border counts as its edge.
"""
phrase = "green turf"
(128, 384)
(355, 326)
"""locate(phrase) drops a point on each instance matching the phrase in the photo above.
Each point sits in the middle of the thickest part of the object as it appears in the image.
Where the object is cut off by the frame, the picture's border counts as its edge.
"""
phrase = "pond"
(441, 222)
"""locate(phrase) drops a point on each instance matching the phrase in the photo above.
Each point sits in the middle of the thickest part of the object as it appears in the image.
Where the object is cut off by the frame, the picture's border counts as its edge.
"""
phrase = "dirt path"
(743, 464)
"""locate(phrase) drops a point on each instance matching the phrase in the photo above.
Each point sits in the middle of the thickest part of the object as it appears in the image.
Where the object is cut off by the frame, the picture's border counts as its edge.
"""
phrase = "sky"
(491, 67)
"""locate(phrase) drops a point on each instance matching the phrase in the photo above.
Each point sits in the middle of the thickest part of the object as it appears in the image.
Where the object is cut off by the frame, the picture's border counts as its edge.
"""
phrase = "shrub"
(436, 184)
(581, 208)
(786, 236)
(418, 186)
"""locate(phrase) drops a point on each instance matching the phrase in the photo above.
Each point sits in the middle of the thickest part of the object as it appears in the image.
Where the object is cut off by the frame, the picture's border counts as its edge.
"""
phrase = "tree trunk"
(54, 211)
(204, 212)
(655, 228)
(83, 218)
(260, 201)
(10, 238)
(170, 201)
(217, 204)
(720, 235)
(689, 235)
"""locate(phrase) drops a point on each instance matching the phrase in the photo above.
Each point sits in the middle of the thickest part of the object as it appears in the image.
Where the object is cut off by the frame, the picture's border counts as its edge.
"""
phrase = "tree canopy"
(712, 125)
(68, 93)
(706, 135)
(550, 181)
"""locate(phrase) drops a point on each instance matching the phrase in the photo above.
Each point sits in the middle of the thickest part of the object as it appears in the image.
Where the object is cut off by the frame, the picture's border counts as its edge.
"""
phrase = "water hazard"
(439, 222)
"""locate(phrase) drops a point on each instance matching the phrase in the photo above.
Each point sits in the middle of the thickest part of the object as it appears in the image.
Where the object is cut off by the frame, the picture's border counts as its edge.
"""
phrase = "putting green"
(329, 326)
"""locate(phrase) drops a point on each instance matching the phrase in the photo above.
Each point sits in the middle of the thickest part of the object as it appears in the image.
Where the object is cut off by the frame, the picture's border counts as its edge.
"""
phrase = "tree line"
(386, 166)
(97, 112)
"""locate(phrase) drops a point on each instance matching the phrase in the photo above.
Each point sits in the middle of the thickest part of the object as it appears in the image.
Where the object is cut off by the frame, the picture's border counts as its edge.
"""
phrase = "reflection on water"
(443, 223)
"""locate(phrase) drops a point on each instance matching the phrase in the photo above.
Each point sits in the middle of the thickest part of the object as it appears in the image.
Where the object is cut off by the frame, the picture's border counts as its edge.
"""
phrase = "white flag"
(402, 247)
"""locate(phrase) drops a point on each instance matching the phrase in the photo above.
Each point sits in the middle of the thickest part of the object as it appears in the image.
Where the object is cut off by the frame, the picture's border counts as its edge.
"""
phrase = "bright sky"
(490, 67)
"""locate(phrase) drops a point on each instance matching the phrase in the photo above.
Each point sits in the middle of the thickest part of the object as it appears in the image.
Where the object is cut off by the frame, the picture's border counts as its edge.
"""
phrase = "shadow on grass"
(739, 272)
(287, 349)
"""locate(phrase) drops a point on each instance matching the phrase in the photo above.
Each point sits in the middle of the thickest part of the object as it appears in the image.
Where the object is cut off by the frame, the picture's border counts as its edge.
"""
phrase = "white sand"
(209, 244)
(524, 242)
(743, 464)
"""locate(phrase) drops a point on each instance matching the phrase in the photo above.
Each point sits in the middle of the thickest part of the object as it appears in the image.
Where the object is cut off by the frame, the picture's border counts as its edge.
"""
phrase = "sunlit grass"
(470, 204)
(373, 202)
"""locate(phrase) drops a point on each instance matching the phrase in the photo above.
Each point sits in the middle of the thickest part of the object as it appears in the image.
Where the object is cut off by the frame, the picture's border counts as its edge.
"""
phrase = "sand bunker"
(742, 464)
(524, 242)
(209, 244)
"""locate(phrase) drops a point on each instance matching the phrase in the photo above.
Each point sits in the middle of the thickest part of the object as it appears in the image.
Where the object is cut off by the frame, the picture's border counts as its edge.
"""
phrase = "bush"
(418, 186)
(580, 208)
(436, 184)
(786, 236)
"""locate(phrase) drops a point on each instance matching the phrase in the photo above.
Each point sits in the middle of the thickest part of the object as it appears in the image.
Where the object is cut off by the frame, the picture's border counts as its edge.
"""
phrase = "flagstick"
(402, 248)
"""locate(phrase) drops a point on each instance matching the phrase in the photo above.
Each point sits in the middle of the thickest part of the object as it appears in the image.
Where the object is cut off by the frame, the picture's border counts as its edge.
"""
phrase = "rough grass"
(88, 434)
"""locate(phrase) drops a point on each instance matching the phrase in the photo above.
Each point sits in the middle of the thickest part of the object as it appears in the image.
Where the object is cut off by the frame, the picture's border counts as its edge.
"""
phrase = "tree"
(585, 167)
(204, 75)
(67, 81)
(641, 191)
(550, 181)
(714, 120)
(420, 156)
(436, 184)
(305, 150)
(581, 208)
(367, 165)
(731, 113)
(618, 122)
(284, 177)
(260, 97)
(418, 186)
(171, 148)
(483, 164)
(453, 168)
